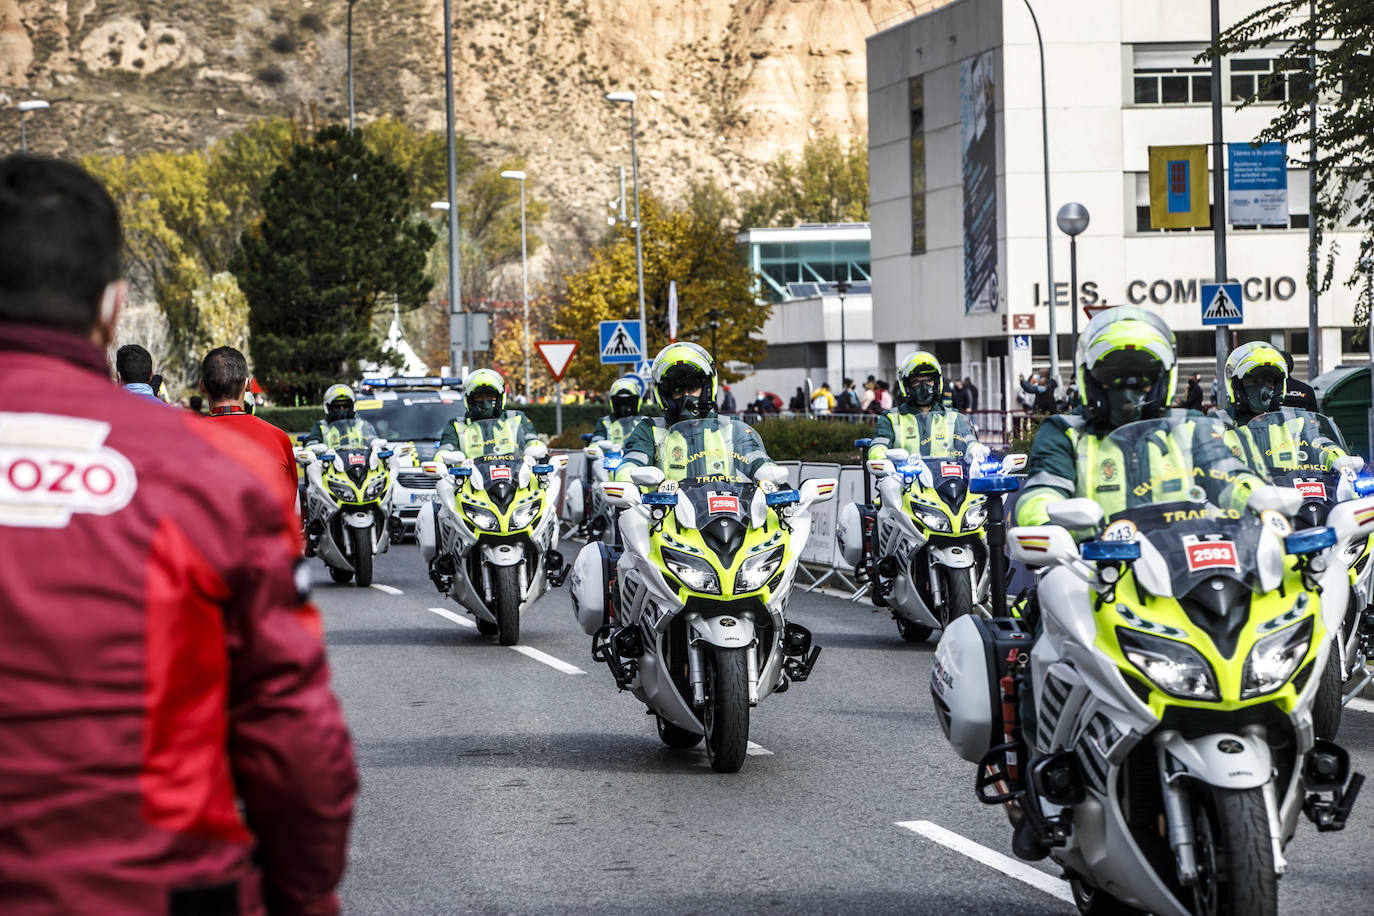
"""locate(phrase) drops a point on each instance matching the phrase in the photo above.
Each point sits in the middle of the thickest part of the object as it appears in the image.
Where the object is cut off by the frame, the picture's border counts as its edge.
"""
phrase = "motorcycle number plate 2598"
(499, 474)
(951, 470)
(357, 459)
(1311, 489)
(1210, 554)
(720, 504)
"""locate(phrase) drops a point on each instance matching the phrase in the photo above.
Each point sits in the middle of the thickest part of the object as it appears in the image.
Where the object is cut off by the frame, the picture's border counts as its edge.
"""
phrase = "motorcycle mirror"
(587, 437)
(647, 477)
(897, 455)
(1309, 540)
(862, 443)
(1076, 513)
(1282, 499)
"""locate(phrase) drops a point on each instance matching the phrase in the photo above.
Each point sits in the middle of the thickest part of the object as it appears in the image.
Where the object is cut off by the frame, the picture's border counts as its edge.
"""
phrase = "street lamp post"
(639, 245)
(1049, 239)
(714, 315)
(842, 287)
(1072, 220)
(516, 175)
(24, 108)
(455, 295)
(350, 64)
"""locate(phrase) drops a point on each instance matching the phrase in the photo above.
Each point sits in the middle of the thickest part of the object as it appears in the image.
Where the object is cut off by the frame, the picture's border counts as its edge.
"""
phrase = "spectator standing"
(883, 397)
(1298, 393)
(196, 404)
(848, 401)
(822, 402)
(959, 398)
(223, 379)
(798, 402)
(973, 392)
(727, 400)
(1193, 399)
(867, 395)
(168, 739)
(134, 371)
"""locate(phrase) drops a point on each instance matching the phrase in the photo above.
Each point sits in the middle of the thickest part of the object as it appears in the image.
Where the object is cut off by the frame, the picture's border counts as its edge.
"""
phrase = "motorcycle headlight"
(1274, 659)
(933, 519)
(482, 518)
(756, 571)
(340, 488)
(976, 516)
(376, 488)
(693, 572)
(1174, 667)
(524, 514)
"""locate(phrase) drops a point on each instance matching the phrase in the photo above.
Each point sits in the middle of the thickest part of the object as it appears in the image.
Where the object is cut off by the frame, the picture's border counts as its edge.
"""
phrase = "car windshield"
(1291, 440)
(1181, 483)
(411, 419)
(710, 450)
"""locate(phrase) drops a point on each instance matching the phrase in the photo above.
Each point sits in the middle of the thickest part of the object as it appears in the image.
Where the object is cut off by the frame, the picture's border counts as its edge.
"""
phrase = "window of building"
(917, 107)
(1167, 75)
(1264, 77)
(1297, 204)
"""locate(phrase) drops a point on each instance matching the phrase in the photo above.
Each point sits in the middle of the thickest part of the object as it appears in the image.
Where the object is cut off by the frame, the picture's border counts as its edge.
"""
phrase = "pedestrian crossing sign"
(1222, 303)
(622, 342)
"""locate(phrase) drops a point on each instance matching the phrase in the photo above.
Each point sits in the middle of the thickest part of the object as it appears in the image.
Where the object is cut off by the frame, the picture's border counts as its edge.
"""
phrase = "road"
(497, 782)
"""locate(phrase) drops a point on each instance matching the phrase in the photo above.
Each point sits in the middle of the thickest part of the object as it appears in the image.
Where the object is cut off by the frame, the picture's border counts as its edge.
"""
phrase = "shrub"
(811, 440)
(292, 419)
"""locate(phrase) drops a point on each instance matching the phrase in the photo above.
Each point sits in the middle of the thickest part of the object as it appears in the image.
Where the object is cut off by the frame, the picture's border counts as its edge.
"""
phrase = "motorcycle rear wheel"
(673, 736)
(726, 713)
(1234, 855)
(507, 604)
(362, 555)
(958, 594)
(913, 632)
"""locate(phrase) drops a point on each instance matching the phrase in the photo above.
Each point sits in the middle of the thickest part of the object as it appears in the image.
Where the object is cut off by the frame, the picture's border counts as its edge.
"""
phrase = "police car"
(416, 410)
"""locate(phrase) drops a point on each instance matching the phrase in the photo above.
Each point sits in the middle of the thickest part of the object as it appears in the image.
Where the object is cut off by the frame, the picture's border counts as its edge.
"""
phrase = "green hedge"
(812, 440)
(292, 419)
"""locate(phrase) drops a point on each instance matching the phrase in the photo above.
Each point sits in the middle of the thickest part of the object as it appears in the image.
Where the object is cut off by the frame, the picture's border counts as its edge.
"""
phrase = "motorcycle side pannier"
(970, 662)
(592, 570)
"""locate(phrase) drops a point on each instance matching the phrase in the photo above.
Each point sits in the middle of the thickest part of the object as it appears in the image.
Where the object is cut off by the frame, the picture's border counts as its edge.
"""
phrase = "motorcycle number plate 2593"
(721, 504)
(499, 474)
(1210, 554)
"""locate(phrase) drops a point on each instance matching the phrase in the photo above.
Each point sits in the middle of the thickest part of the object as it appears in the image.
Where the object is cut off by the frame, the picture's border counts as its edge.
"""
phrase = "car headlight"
(340, 488)
(482, 518)
(758, 570)
(693, 572)
(933, 519)
(1274, 659)
(376, 488)
(976, 515)
(1174, 667)
(524, 514)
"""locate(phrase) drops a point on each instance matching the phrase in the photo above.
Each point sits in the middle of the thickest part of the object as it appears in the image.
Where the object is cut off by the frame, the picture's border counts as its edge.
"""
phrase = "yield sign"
(557, 355)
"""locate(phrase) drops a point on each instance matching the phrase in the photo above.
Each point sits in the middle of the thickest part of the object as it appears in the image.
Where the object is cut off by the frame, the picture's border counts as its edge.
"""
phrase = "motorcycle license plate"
(951, 470)
(721, 504)
(1312, 489)
(499, 474)
(1210, 554)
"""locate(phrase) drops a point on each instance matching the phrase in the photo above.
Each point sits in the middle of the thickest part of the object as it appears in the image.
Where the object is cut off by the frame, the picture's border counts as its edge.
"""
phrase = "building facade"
(958, 197)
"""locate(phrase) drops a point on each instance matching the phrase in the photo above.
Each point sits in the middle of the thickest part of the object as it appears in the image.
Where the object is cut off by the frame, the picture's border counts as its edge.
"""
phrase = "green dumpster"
(1344, 397)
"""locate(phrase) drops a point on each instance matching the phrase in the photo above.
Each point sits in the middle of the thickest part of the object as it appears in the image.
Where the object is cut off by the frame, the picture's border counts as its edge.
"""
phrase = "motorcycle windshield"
(1299, 448)
(354, 462)
(353, 433)
(499, 438)
(710, 450)
(1180, 483)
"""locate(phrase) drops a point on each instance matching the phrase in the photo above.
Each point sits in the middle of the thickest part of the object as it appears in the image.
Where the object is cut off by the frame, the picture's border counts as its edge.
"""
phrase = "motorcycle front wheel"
(726, 713)
(1234, 855)
(362, 555)
(508, 604)
(958, 594)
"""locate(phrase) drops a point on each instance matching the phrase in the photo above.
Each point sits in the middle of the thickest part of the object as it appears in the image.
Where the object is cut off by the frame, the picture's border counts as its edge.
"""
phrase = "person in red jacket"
(169, 743)
(224, 380)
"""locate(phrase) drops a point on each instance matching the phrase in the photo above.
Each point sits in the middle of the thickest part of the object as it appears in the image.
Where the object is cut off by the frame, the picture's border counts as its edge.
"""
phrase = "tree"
(691, 244)
(1338, 38)
(826, 183)
(422, 156)
(337, 238)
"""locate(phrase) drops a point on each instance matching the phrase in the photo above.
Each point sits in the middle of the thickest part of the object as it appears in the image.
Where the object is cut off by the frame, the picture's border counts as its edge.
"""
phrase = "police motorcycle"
(1295, 446)
(585, 503)
(1172, 749)
(923, 549)
(691, 616)
(491, 536)
(347, 503)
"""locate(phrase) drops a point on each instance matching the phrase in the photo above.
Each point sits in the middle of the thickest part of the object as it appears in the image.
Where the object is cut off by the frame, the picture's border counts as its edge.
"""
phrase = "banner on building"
(978, 131)
(1257, 184)
(1178, 187)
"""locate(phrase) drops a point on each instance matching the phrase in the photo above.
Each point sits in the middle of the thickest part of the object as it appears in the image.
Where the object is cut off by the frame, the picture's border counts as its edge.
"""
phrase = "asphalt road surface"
(500, 782)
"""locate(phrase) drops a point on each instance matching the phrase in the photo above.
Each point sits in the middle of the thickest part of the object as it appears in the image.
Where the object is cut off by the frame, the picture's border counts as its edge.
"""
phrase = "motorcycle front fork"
(696, 674)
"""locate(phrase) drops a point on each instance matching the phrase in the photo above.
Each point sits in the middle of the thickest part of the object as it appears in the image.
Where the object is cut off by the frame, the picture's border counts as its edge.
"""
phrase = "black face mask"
(482, 409)
(1126, 405)
(688, 407)
(623, 407)
(1259, 395)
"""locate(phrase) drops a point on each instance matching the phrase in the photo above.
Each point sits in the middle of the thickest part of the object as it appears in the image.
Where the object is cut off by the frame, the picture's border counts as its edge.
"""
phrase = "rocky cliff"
(723, 85)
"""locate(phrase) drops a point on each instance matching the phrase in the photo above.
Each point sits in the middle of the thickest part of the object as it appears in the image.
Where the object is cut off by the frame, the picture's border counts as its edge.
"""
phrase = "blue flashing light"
(385, 454)
(782, 498)
(610, 464)
(1310, 540)
(997, 483)
(542, 469)
(460, 472)
(862, 443)
(1110, 551)
(1364, 486)
(660, 499)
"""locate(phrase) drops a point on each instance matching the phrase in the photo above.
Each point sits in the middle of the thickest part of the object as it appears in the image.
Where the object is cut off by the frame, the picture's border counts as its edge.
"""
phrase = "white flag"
(672, 311)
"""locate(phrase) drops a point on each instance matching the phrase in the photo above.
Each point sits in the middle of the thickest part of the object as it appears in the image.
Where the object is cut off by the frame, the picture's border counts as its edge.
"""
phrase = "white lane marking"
(456, 618)
(757, 750)
(1005, 864)
(1361, 705)
(387, 589)
(556, 663)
